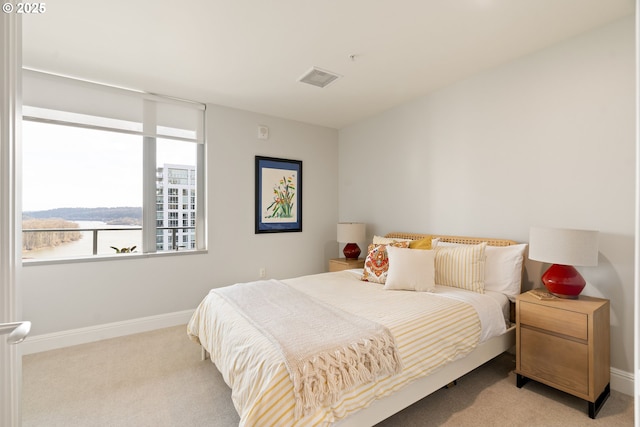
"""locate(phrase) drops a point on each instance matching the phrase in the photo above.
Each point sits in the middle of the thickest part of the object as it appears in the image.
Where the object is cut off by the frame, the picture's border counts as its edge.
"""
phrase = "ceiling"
(249, 54)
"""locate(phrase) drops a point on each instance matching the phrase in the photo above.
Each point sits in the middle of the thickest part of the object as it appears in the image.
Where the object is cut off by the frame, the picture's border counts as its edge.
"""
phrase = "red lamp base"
(351, 251)
(563, 281)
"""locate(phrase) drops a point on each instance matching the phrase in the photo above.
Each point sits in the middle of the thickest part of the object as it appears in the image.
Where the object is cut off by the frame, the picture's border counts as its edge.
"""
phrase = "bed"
(438, 333)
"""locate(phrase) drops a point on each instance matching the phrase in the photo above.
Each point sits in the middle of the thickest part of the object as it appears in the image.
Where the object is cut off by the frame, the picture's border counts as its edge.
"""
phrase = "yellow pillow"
(421, 244)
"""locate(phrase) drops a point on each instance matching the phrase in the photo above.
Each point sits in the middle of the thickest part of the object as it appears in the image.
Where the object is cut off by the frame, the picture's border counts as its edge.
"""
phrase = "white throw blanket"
(326, 350)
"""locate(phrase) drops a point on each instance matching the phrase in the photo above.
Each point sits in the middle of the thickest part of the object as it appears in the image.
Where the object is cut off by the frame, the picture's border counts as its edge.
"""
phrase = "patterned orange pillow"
(376, 264)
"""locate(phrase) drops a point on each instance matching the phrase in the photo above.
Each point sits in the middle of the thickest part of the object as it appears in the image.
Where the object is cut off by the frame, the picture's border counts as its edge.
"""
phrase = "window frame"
(152, 131)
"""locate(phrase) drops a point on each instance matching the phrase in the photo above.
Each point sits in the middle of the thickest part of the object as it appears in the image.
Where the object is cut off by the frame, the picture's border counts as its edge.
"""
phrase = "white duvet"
(431, 329)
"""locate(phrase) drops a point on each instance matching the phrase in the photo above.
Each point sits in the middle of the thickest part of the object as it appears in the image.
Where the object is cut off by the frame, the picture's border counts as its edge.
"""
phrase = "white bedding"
(492, 307)
(261, 387)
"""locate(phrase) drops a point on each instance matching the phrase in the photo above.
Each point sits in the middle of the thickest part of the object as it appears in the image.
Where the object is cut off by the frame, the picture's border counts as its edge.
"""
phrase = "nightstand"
(339, 264)
(564, 343)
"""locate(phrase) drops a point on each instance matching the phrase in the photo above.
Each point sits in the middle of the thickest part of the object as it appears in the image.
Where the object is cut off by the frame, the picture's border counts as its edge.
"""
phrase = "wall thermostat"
(263, 132)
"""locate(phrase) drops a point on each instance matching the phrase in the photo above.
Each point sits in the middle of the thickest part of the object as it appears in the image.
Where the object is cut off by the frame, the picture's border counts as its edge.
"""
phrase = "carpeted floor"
(157, 379)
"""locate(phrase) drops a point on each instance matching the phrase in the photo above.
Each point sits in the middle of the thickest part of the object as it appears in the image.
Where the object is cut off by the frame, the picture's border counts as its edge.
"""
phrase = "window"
(95, 156)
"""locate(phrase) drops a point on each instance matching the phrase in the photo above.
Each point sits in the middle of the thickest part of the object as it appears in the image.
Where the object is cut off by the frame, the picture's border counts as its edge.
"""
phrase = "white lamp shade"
(351, 232)
(563, 246)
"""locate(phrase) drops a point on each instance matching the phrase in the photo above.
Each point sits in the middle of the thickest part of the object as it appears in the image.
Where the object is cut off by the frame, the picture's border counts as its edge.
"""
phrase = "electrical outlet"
(262, 272)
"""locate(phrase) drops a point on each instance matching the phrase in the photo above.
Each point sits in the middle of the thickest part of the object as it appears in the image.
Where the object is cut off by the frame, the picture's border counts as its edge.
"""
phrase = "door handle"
(17, 331)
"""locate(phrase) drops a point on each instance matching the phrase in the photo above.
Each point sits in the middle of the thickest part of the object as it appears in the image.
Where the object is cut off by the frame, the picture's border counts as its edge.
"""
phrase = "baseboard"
(54, 340)
(622, 381)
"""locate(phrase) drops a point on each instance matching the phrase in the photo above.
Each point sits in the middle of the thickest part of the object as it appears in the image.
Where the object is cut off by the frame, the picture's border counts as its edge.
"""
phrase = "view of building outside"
(175, 207)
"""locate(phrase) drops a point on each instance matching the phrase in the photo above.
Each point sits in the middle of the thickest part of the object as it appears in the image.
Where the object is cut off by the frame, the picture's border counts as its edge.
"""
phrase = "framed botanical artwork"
(278, 195)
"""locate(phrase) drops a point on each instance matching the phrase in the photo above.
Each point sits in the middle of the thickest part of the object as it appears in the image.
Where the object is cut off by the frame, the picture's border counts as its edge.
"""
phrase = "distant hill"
(120, 215)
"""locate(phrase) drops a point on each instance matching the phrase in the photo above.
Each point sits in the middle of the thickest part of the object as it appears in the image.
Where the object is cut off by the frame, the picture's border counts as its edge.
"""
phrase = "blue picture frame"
(278, 195)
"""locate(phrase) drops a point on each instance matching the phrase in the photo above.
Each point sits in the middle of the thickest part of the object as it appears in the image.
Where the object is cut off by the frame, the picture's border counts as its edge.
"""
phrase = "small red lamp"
(563, 248)
(351, 233)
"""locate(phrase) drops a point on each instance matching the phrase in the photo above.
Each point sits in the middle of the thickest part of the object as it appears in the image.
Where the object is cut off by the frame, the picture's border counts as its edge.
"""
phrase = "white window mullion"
(149, 180)
(201, 198)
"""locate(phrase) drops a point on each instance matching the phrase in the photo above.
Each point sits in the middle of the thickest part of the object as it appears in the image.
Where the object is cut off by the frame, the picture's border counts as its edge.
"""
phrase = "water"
(84, 246)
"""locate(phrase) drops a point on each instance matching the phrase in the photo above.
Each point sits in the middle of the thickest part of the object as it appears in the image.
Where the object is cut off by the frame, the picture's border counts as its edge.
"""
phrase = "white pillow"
(503, 269)
(411, 270)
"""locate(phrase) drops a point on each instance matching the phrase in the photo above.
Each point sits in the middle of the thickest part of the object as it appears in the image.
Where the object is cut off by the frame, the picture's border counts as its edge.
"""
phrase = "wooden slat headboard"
(452, 239)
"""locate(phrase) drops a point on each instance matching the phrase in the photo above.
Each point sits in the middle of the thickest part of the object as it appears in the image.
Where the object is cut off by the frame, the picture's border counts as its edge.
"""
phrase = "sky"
(66, 166)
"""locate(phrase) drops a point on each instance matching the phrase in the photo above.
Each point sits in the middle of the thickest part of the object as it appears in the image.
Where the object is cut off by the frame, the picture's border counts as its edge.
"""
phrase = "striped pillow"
(461, 266)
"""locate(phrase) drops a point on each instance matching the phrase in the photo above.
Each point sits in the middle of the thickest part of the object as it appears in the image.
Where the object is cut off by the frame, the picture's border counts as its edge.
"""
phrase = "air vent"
(318, 77)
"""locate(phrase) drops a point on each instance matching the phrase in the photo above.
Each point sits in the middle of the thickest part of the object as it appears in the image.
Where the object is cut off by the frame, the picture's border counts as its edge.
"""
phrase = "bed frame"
(384, 408)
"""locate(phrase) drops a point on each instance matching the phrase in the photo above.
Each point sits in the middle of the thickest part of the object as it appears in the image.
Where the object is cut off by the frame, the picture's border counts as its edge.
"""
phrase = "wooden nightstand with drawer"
(339, 264)
(564, 343)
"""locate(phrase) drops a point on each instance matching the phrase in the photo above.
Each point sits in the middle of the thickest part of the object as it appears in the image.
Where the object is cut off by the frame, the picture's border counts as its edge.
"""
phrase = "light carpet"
(157, 379)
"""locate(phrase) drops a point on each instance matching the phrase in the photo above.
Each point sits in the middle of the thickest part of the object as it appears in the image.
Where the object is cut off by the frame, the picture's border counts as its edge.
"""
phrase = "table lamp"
(350, 233)
(563, 248)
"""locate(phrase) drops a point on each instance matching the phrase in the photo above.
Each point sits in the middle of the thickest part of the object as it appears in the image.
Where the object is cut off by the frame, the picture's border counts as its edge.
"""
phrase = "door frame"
(10, 214)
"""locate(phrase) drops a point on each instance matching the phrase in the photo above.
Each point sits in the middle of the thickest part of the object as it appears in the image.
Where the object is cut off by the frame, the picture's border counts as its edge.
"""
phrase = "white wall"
(71, 296)
(548, 139)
